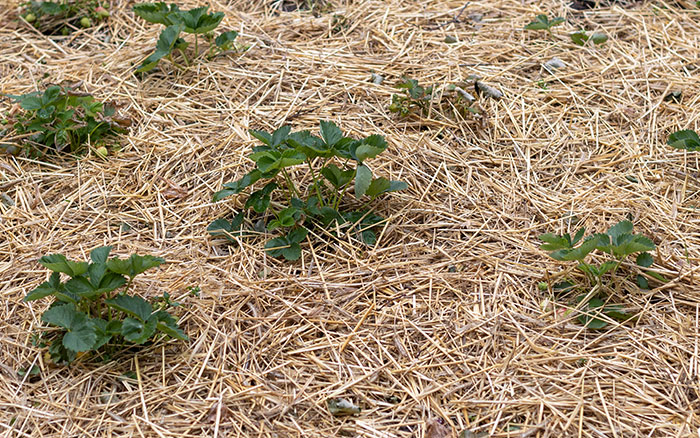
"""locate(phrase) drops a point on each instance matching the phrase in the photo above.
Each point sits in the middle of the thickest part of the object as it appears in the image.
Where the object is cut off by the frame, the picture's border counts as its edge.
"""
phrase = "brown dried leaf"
(436, 428)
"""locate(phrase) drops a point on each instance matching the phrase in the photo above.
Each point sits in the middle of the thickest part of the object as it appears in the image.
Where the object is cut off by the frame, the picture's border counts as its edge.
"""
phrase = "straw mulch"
(437, 329)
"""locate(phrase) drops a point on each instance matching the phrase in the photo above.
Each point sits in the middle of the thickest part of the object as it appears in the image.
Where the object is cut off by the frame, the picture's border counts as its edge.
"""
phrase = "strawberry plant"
(336, 164)
(195, 21)
(88, 315)
(618, 243)
(60, 119)
(542, 22)
(417, 98)
(64, 16)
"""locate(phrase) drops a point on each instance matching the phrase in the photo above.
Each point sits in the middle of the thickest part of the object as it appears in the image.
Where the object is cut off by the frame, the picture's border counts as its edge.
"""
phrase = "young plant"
(542, 22)
(418, 98)
(90, 316)
(60, 119)
(415, 97)
(336, 164)
(618, 243)
(686, 139)
(581, 37)
(63, 17)
(195, 21)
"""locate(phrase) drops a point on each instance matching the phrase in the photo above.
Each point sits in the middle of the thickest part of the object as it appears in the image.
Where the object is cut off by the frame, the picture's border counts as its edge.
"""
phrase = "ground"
(442, 319)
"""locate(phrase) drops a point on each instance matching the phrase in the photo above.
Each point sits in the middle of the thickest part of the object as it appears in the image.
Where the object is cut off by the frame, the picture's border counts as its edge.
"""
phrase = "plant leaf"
(156, 13)
(363, 179)
(225, 40)
(330, 133)
(137, 331)
(46, 288)
(99, 255)
(686, 139)
(645, 260)
(131, 305)
(59, 263)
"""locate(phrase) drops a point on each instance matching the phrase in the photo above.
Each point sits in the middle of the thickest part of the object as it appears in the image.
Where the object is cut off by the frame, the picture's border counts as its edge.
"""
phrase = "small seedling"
(195, 21)
(686, 139)
(581, 37)
(63, 17)
(90, 316)
(61, 120)
(329, 161)
(417, 99)
(542, 22)
(618, 243)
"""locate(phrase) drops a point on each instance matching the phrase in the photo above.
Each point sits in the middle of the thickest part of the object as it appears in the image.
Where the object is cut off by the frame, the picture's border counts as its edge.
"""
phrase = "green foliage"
(417, 99)
(333, 162)
(618, 243)
(195, 21)
(542, 22)
(581, 37)
(61, 120)
(63, 17)
(686, 139)
(88, 313)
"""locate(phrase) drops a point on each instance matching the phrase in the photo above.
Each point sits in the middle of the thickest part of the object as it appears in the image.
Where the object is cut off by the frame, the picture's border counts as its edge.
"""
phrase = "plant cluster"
(60, 119)
(542, 22)
(333, 162)
(87, 313)
(417, 99)
(618, 243)
(195, 21)
(63, 17)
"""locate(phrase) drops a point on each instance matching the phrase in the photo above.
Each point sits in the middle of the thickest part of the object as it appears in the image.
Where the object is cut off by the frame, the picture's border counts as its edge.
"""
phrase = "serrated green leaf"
(137, 331)
(330, 133)
(59, 263)
(81, 338)
(645, 260)
(363, 179)
(226, 40)
(100, 255)
(156, 13)
(131, 305)
(81, 287)
(45, 289)
(685, 139)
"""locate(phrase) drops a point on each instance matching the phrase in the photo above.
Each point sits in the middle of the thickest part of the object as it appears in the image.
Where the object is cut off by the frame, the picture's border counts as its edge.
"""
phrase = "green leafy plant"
(581, 37)
(87, 312)
(195, 21)
(416, 98)
(336, 164)
(60, 119)
(542, 22)
(686, 139)
(63, 17)
(618, 243)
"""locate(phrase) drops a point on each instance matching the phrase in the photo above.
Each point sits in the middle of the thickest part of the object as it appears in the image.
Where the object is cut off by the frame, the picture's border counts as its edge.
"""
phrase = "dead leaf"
(175, 191)
(341, 406)
(436, 428)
